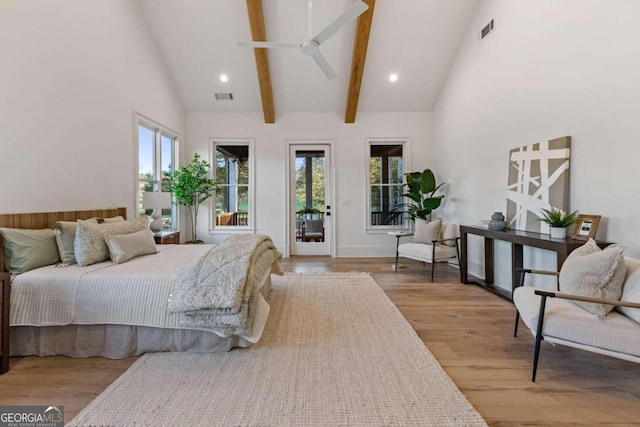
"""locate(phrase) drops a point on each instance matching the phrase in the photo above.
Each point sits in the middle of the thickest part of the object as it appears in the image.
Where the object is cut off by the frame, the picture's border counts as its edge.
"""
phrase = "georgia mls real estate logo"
(32, 416)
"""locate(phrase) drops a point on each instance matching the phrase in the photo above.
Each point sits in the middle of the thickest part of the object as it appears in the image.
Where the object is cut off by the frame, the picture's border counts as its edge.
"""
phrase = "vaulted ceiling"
(416, 39)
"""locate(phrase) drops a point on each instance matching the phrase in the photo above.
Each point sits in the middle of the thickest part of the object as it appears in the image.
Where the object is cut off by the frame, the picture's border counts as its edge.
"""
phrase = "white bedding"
(132, 293)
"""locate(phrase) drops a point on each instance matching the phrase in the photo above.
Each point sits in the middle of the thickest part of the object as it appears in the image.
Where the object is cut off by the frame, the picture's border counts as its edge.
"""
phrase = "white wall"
(551, 68)
(72, 73)
(350, 166)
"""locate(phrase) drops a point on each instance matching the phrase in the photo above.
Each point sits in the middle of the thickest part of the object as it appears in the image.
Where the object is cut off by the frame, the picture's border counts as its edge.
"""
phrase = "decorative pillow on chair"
(26, 250)
(594, 272)
(448, 231)
(66, 235)
(90, 246)
(126, 246)
(426, 232)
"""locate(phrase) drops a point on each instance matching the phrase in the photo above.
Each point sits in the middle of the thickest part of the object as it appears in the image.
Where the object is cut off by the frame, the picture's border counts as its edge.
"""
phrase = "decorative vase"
(558, 232)
(497, 222)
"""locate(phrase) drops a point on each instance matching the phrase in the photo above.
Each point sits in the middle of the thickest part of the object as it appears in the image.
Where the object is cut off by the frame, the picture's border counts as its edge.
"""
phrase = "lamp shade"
(156, 200)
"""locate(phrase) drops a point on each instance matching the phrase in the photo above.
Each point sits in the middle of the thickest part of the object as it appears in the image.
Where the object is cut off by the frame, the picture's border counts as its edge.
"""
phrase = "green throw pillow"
(26, 250)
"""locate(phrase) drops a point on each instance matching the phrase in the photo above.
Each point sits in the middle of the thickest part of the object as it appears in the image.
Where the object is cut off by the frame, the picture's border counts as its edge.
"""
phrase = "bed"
(117, 310)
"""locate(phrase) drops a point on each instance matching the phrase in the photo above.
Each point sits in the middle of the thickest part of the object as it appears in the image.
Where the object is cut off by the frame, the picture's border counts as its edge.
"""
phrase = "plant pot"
(558, 232)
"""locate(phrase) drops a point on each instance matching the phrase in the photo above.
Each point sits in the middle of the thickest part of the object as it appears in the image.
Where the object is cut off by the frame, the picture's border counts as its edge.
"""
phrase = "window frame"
(159, 131)
(406, 162)
(251, 210)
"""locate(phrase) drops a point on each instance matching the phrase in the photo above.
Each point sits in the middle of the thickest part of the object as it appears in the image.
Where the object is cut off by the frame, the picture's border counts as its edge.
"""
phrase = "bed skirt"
(117, 341)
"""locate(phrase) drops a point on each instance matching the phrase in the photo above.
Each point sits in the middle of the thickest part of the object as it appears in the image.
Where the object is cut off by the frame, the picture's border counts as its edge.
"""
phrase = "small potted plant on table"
(558, 221)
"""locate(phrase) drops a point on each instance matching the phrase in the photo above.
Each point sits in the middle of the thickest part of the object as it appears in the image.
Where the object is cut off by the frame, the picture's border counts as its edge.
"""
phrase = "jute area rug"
(335, 352)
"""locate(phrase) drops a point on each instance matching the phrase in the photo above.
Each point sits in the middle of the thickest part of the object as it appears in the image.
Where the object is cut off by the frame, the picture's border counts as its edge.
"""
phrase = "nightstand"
(168, 237)
(5, 289)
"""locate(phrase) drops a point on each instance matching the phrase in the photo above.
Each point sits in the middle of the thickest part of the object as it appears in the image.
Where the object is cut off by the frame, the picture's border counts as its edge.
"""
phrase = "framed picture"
(586, 227)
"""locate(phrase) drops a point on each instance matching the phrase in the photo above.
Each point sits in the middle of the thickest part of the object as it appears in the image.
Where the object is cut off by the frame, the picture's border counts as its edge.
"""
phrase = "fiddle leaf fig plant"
(191, 186)
(421, 189)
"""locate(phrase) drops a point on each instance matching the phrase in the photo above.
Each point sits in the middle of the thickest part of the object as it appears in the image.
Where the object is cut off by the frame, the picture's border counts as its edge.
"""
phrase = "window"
(157, 148)
(386, 169)
(233, 165)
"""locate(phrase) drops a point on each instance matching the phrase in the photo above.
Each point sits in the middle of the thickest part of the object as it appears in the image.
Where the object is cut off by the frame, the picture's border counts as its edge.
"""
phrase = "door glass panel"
(310, 196)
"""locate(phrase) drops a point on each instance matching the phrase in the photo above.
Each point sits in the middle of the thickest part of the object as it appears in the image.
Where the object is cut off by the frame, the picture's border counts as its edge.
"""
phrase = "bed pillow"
(66, 235)
(594, 272)
(26, 250)
(426, 232)
(126, 246)
(90, 246)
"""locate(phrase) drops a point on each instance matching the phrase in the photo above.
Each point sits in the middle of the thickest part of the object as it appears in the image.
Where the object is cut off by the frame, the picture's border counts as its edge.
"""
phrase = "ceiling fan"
(311, 46)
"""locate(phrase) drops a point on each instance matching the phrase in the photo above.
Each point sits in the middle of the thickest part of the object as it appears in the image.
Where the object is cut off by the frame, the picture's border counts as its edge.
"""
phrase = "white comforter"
(133, 293)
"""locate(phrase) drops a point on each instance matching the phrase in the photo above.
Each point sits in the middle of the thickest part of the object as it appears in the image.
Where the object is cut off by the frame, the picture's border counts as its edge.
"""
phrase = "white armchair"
(432, 242)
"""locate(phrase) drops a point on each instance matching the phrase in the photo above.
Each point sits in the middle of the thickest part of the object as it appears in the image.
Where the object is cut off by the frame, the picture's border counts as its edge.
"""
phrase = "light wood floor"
(469, 331)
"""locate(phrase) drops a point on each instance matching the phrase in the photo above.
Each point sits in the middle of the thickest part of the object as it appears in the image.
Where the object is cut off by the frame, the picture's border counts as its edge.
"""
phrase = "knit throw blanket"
(221, 290)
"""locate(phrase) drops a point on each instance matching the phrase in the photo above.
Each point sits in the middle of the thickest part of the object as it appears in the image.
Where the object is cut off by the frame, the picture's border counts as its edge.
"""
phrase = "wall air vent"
(224, 96)
(488, 29)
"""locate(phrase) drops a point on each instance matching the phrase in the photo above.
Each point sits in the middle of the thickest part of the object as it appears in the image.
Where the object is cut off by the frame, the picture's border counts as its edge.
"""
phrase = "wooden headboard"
(47, 219)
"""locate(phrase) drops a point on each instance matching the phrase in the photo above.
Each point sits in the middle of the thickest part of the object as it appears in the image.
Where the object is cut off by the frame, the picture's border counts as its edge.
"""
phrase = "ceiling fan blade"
(347, 16)
(324, 65)
(269, 45)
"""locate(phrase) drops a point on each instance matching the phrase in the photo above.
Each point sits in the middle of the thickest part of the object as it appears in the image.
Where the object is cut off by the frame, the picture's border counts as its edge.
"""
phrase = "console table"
(518, 239)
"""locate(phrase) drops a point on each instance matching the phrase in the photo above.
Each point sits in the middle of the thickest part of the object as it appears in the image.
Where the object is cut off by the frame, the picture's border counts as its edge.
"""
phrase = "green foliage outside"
(191, 186)
(317, 185)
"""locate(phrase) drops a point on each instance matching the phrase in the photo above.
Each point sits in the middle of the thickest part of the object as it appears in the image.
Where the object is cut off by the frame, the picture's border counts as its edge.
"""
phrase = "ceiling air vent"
(224, 96)
(488, 29)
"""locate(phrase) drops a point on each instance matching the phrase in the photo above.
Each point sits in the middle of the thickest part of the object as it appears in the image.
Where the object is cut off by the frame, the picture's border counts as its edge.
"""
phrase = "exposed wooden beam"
(258, 33)
(360, 44)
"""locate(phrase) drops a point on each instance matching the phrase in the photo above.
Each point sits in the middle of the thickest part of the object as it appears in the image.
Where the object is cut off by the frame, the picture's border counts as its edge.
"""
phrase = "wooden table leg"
(464, 273)
(516, 263)
(488, 261)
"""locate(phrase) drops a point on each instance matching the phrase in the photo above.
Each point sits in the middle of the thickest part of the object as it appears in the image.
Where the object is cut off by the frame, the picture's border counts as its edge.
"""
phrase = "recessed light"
(224, 78)
(393, 77)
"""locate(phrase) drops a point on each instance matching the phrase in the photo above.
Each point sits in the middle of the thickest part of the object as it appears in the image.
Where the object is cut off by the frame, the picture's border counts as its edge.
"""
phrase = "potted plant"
(421, 188)
(191, 186)
(558, 221)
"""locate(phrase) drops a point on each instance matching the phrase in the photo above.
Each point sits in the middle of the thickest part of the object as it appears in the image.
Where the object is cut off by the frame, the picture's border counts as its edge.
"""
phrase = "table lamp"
(156, 200)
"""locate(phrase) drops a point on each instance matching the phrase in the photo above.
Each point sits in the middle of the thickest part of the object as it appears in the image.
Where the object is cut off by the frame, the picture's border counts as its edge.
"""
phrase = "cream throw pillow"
(448, 231)
(90, 246)
(66, 235)
(126, 246)
(593, 272)
(426, 232)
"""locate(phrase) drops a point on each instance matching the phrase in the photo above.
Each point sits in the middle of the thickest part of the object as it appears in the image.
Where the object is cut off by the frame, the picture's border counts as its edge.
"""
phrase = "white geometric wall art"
(538, 178)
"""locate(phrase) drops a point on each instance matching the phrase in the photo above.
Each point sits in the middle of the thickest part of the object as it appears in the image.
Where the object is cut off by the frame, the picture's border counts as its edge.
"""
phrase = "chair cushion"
(593, 272)
(422, 252)
(631, 289)
(567, 321)
(426, 232)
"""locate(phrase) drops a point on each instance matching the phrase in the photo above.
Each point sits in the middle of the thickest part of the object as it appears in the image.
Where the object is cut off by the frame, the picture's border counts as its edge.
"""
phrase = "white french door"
(310, 213)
